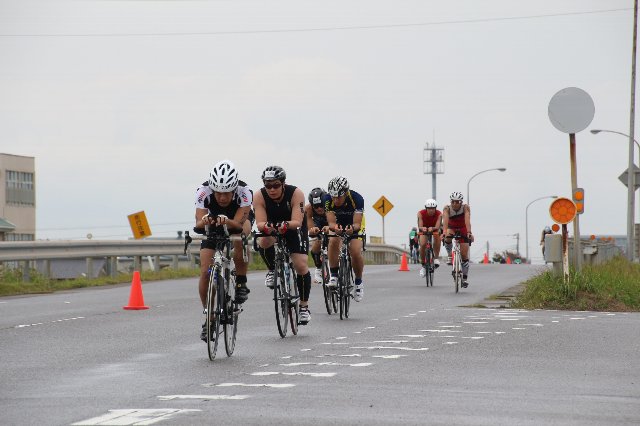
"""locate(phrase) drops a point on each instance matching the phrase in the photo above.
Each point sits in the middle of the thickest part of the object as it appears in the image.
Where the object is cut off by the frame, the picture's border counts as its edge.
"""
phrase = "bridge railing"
(98, 255)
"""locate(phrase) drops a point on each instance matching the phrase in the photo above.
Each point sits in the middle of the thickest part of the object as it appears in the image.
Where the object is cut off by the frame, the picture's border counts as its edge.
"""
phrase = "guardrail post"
(89, 267)
(113, 266)
(156, 263)
(47, 268)
(174, 262)
(26, 275)
(137, 263)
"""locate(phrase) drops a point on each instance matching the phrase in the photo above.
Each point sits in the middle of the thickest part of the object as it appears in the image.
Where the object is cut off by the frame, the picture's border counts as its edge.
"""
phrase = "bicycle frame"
(344, 290)
(456, 261)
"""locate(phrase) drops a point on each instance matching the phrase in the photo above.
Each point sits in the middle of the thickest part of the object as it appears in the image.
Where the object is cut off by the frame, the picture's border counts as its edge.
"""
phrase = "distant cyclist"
(429, 220)
(223, 200)
(282, 206)
(316, 217)
(456, 217)
(413, 244)
(345, 214)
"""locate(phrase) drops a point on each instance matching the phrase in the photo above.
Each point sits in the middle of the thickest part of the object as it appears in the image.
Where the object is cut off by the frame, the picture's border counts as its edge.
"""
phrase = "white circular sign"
(571, 110)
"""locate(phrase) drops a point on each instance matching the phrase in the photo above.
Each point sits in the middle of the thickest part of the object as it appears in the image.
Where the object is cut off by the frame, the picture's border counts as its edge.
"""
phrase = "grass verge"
(612, 286)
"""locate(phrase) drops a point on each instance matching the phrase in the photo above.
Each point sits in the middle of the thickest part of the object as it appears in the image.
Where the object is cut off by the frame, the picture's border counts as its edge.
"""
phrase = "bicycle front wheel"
(457, 271)
(330, 300)
(281, 301)
(212, 318)
(231, 315)
(294, 300)
(343, 286)
(432, 267)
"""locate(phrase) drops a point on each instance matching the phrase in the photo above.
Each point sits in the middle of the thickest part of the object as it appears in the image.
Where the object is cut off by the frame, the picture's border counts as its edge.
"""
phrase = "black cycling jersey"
(277, 212)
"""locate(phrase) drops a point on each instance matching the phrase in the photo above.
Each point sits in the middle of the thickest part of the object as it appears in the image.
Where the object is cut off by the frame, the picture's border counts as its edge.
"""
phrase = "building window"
(20, 188)
(18, 237)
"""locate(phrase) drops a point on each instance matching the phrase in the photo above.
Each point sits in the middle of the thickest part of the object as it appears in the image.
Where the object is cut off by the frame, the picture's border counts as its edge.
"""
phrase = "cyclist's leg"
(315, 255)
(268, 254)
(334, 253)
(206, 255)
(448, 245)
(423, 250)
(357, 263)
(437, 242)
(464, 252)
(298, 248)
(242, 291)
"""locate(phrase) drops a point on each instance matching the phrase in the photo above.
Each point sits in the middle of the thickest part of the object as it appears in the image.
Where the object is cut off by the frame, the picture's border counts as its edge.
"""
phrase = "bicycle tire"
(294, 300)
(230, 326)
(212, 324)
(457, 265)
(343, 285)
(427, 267)
(432, 267)
(330, 301)
(280, 301)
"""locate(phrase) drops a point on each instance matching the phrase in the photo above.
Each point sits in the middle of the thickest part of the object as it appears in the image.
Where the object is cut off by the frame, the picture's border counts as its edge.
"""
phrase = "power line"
(335, 28)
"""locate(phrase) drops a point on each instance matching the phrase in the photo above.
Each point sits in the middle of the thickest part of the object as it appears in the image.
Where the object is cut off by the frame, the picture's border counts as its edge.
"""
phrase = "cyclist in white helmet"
(223, 200)
(456, 217)
(429, 220)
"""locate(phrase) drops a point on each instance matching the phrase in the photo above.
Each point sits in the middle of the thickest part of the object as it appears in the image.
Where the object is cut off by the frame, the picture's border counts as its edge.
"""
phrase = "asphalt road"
(407, 355)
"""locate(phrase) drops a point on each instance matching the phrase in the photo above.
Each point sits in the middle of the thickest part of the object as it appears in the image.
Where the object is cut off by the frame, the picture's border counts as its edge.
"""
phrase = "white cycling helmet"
(223, 177)
(456, 196)
(430, 204)
(338, 186)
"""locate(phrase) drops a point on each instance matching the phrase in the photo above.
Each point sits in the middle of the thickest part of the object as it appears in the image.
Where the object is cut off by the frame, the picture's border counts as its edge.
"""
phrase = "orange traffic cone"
(508, 260)
(486, 259)
(136, 301)
(403, 263)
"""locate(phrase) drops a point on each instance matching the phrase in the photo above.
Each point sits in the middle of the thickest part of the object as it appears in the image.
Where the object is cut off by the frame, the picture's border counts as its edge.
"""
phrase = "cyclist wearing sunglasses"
(429, 220)
(316, 218)
(456, 217)
(345, 214)
(223, 200)
(282, 206)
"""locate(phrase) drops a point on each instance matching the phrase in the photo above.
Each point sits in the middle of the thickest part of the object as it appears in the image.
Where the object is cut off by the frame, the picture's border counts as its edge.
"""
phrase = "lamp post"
(631, 183)
(526, 221)
(502, 169)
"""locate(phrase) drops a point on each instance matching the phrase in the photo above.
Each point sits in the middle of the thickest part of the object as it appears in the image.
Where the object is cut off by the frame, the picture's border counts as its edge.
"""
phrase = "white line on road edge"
(299, 373)
(203, 397)
(297, 364)
(49, 322)
(133, 417)
(400, 348)
(388, 356)
(250, 385)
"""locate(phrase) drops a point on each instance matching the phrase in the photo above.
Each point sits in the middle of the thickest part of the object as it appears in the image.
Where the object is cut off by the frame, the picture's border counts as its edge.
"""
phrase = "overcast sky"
(126, 105)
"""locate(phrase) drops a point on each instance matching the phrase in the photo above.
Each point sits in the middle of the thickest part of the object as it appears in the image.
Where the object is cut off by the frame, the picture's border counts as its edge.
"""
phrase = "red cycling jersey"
(429, 221)
(456, 219)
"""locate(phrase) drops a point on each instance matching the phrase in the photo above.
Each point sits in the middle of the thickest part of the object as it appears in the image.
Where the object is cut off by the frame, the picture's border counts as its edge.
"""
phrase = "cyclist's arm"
(297, 209)
(239, 219)
(308, 214)
(445, 220)
(467, 218)
(357, 222)
(200, 213)
(331, 220)
(260, 210)
(420, 223)
(438, 224)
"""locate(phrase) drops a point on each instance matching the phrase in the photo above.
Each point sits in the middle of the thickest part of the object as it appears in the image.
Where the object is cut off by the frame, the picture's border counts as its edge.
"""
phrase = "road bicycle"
(429, 257)
(344, 290)
(456, 260)
(221, 310)
(285, 288)
(414, 254)
(330, 296)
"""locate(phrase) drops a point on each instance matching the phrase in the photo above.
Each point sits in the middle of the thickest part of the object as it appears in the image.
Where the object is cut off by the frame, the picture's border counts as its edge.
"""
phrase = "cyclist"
(223, 200)
(345, 209)
(281, 205)
(456, 217)
(429, 220)
(413, 244)
(316, 218)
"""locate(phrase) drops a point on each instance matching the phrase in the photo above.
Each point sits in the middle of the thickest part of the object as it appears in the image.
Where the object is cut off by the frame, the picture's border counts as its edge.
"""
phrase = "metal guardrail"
(47, 251)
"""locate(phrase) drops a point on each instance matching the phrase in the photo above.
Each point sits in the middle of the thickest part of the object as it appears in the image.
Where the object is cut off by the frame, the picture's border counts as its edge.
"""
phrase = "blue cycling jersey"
(354, 203)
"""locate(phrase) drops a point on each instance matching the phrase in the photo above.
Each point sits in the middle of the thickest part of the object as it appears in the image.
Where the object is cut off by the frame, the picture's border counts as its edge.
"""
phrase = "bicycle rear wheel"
(212, 318)
(294, 300)
(230, 326)
(432, 267)
(281, 302)
(330, 300)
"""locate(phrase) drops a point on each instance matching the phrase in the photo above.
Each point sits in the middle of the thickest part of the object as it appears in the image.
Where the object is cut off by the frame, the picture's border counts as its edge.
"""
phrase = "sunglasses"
(276, 185)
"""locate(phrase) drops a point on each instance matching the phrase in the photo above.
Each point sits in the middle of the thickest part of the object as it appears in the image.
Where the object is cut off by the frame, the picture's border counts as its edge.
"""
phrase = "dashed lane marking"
(388, 356)
(202, 397)
(298, 373)
(249, 385)
(399, 348)
(298, 364)
(134, 417)
(49, 322)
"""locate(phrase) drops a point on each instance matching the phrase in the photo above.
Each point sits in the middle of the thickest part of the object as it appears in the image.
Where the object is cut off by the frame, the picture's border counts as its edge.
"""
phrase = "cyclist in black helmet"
(278, 204)
(316, 218)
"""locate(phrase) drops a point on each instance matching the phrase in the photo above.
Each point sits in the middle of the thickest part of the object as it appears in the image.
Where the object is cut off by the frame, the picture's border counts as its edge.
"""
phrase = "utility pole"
(517, 243)
(433, 164)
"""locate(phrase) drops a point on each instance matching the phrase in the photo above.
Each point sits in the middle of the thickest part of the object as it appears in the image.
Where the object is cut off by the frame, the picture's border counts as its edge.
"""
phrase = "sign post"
(383, 206)
(563, 211)
(571, 110)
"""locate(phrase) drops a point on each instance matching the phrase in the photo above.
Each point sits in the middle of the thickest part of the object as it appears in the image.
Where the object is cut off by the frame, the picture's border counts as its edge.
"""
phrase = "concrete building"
(17, 198)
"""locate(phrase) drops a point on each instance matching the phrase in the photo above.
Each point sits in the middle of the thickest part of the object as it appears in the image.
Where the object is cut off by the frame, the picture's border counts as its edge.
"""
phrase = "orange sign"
(139, 225)
(562, 210)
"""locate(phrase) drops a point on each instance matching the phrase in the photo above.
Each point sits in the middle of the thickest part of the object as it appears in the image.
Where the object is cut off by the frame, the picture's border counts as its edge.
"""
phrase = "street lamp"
(526, 221)
(631, 183)
(502, 169)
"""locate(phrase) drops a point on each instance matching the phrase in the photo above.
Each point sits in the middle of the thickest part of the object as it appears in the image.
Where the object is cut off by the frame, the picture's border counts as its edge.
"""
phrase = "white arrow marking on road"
(133, 417)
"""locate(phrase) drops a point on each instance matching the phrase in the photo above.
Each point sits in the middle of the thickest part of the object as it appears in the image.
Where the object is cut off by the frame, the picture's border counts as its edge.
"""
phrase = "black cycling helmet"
(315, 197)
(274, 173)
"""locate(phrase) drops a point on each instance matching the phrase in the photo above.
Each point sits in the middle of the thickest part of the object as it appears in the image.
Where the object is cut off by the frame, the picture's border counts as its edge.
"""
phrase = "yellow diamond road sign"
(139, 225)
(383, 206)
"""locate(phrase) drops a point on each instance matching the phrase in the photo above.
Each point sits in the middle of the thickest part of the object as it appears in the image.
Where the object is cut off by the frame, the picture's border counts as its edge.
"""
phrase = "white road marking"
(450, 343)
(286, 357)
(298, 364)
(411, 335)
(305, 350)
(203, 397)
(251, 385)
(473, 337)
(509, 319)
(441, 331)
(341, 338)
(299, 373)
(369, 328)
(577, 318)
(391, 341)
(518, 328)
(400, 348)
(475, 322)
(50, 322)
(450, 326)
(133, 417)
(484, 332)
(334, 343)
(535, 325)
(388, 356)
(330, 355)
